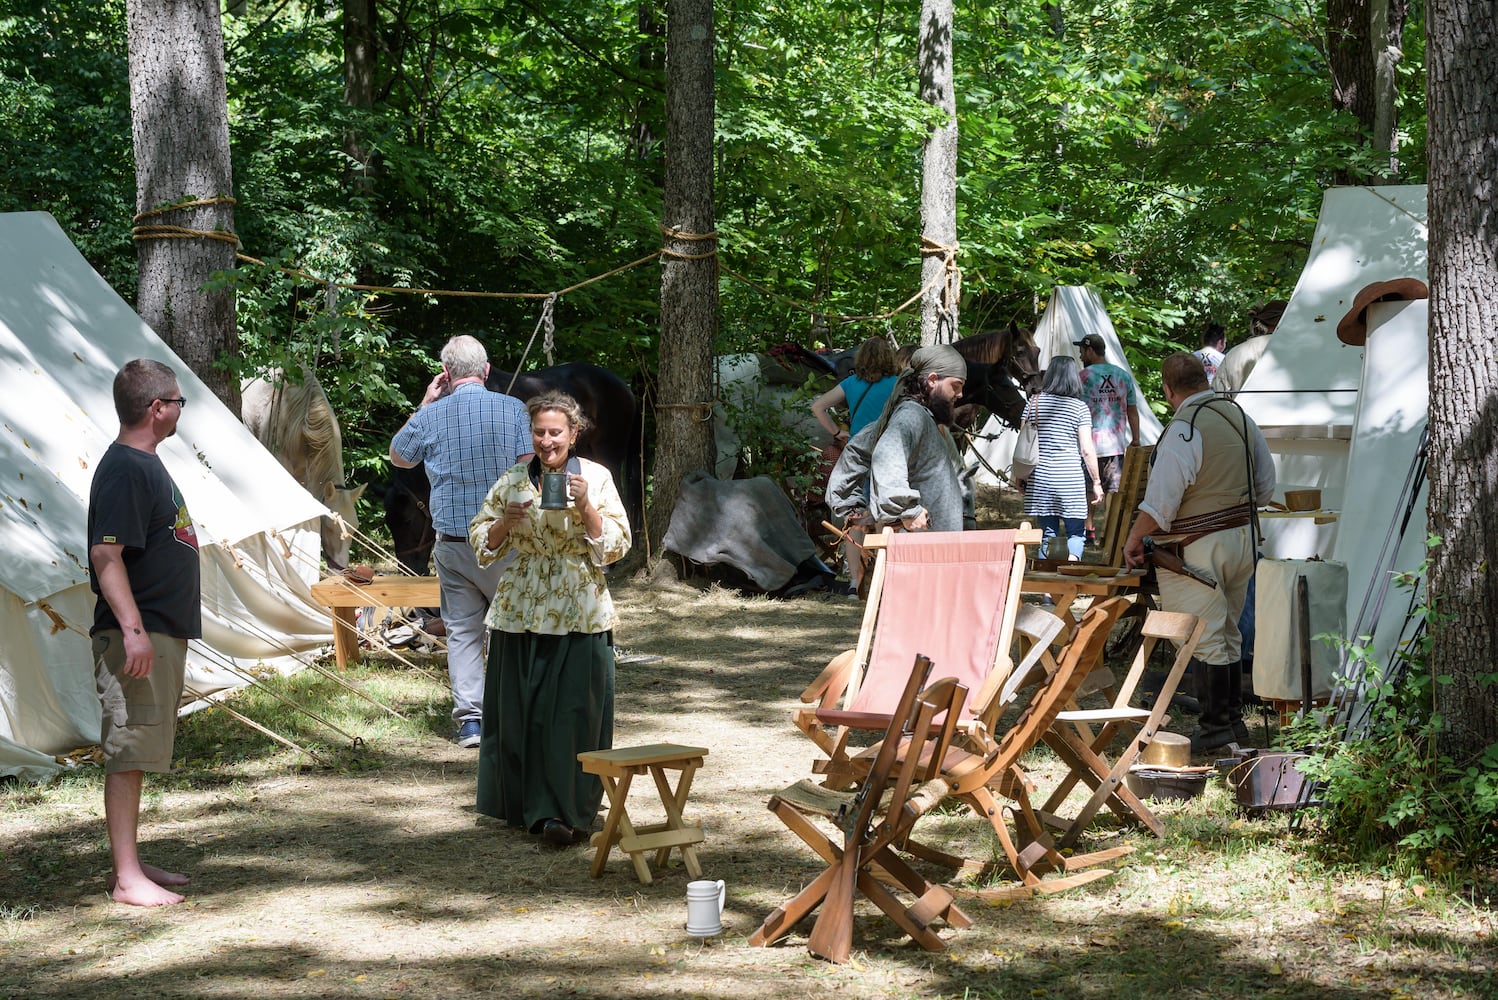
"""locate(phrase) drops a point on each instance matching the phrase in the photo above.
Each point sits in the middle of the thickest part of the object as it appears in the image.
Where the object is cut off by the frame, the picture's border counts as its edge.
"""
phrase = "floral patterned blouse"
(555, 584)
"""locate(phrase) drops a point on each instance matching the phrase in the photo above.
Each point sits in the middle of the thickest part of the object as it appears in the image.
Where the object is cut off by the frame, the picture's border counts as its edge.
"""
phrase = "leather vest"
(1222, 482)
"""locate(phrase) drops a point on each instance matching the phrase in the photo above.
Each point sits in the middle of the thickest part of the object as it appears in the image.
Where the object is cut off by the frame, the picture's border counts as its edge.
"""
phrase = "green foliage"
(1392, 786)
(65, 126)
(770, 427)
(1170, 154)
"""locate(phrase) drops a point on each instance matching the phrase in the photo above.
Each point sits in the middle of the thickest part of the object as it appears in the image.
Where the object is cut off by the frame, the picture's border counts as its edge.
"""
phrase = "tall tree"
(359, 60)
(689, 271)
(939, 274)
(1363, 48)
(183, 183)
(1462, 98)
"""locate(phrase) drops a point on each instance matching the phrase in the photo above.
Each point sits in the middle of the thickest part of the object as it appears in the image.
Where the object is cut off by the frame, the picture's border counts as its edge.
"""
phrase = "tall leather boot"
(1215, 728)
(1184, 699)
(1235, 702)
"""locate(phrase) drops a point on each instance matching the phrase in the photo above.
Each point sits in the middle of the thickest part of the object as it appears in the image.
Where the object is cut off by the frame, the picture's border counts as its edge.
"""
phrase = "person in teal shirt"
(863, 394)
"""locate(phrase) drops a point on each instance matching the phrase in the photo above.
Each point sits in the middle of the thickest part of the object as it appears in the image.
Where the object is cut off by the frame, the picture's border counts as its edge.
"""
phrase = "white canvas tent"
(1394, 404)
(1347, 420)
(63, 335)
(1074, 312)
(1304, 391)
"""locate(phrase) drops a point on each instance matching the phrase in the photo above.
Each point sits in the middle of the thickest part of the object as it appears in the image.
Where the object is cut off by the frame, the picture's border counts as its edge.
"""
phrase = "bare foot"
(141, 892)
(162, 877)
(158, 875)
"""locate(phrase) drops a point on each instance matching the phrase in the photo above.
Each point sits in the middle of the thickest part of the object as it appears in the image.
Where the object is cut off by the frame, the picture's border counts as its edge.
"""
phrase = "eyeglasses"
(179, 401)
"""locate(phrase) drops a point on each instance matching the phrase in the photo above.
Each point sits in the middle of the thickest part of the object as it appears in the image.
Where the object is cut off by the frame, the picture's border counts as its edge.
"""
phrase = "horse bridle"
(428, 532)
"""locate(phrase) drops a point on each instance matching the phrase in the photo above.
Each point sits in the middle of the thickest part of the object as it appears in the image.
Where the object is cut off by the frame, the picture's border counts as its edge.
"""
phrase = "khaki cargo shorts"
(139, 714)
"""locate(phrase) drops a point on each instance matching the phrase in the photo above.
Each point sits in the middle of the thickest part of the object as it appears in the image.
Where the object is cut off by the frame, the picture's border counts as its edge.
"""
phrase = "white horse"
(296, 423)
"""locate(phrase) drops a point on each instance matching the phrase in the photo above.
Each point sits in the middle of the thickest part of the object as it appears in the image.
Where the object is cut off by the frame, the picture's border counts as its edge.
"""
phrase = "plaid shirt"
(467, 440)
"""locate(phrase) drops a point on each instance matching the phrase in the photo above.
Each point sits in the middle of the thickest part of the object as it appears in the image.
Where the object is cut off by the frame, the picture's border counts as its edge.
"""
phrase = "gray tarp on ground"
(747, 523)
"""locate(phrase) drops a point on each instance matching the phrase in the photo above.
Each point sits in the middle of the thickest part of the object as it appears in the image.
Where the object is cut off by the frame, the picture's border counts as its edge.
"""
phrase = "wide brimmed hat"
(1352, 329)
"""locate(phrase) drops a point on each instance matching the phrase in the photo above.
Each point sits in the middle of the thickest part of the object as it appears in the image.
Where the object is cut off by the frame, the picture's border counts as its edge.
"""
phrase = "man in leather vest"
(1210, 471)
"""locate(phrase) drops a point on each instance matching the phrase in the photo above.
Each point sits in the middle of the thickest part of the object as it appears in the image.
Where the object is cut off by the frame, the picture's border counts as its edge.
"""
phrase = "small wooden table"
(1064, 589)
(343, 595)
(617, 769)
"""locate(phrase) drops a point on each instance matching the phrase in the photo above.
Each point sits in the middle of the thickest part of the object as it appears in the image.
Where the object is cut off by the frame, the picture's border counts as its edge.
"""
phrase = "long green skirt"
(547, 698)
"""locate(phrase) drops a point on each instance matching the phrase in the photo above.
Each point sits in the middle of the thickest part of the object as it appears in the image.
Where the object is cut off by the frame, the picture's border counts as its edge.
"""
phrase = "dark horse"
(1003, 369)
(611, 439)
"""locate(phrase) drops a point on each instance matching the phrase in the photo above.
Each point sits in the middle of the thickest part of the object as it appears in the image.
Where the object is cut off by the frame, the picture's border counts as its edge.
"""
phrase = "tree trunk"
(359, 61)
(181, 129)
(1386, 28)
(645, 112)
(689, 272)
(1462, 102)
(939, 275)
(1364, 45)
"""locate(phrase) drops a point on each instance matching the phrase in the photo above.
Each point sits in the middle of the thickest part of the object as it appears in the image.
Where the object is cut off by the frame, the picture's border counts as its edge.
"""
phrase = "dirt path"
(384, 884)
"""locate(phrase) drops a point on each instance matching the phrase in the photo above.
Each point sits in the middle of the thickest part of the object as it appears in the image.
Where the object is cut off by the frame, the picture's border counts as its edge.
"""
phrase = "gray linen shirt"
(914, 467)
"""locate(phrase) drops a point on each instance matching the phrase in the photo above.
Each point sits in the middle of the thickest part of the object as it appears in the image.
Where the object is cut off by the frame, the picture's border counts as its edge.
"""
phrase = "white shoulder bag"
(1026, 447)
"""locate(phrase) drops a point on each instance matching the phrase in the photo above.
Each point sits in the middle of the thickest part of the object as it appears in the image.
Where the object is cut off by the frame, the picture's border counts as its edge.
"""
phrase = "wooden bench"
(342, 595)
(617, 769)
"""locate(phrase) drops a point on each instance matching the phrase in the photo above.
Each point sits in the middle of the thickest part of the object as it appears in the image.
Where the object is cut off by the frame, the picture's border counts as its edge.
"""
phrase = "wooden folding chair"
(978, 779)
(901, 786)
(954, 595)
(1085, 750)
(1123, 505)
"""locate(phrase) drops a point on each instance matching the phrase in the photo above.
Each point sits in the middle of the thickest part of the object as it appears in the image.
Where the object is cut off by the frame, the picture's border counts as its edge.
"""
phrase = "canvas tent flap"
(1347, 419)
(1395, 404)
(64, 333)
(1304, 392)
(1073, 312)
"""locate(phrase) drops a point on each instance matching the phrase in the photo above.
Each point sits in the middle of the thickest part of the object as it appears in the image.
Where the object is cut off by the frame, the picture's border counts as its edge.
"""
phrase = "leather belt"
(443, 536)
(1184, 531)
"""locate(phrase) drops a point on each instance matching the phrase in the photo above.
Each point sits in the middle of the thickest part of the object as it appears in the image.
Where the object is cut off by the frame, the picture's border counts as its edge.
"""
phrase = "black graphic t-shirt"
(133, 502)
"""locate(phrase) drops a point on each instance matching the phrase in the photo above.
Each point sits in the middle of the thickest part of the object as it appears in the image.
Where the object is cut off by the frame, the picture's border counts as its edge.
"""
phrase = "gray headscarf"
(941, 360)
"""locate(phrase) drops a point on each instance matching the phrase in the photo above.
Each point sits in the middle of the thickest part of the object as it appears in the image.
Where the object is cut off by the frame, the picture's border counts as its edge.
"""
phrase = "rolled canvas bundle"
(1277, 629)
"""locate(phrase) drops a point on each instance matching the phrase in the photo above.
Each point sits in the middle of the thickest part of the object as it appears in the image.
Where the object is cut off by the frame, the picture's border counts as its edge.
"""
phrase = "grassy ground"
(373, 877)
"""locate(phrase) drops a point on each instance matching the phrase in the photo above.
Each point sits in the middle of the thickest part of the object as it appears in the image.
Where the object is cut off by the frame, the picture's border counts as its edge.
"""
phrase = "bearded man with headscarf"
(914, 466)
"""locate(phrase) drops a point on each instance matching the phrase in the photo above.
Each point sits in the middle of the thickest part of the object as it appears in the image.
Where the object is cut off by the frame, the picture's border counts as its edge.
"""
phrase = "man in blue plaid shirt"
(467, 436)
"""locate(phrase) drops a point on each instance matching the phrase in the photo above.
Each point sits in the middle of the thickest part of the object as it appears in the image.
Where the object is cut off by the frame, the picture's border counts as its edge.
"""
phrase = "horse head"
(989, 387)
(337, 531)
(296, 423)
(1022, 359)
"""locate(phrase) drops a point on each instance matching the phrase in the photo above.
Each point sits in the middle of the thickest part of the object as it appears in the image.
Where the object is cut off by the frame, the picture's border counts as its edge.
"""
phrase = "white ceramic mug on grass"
(705, 898)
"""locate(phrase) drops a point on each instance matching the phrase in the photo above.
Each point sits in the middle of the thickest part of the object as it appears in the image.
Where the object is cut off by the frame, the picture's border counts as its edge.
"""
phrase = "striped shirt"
(467, 440)
(1059, 485)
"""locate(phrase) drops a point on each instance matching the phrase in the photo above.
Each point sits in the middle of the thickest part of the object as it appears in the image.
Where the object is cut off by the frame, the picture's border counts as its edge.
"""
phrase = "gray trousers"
(467, 591)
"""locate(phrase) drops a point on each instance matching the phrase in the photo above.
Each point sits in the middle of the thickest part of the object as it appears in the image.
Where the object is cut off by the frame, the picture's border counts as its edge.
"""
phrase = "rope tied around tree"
(139, 232)
(683, 236)
(842, 319)
(951, 273)
(948, 277)
(700, 412)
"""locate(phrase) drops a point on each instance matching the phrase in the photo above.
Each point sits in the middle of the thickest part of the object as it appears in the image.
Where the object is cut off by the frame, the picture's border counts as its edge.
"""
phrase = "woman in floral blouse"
(549, 686)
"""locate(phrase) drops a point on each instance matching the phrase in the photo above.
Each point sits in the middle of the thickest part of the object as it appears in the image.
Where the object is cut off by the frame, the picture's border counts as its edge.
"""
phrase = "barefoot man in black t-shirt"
(143, 561)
